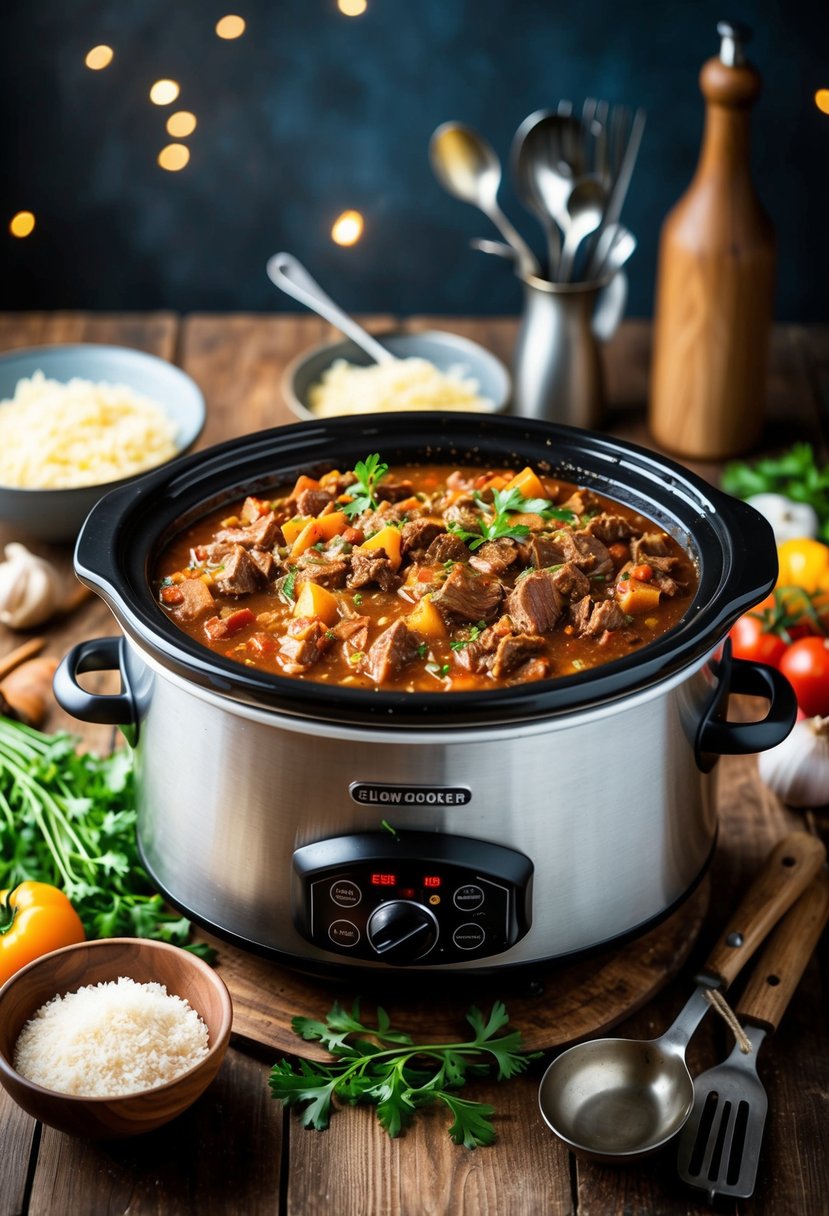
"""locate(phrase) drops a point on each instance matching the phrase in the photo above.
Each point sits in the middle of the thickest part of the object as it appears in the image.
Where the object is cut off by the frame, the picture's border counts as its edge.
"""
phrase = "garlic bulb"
(789, 520)
(30, 589)
(797, 770)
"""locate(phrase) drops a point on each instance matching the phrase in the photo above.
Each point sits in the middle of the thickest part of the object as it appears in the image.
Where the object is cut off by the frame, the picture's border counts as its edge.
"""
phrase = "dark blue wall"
(311, 113)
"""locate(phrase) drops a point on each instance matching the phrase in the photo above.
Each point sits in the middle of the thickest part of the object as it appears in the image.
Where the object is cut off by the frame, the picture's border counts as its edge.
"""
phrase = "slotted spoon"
(719, 1146)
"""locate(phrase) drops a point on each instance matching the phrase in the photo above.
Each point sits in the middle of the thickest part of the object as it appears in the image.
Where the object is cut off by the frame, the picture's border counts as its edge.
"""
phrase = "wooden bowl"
(144, 961)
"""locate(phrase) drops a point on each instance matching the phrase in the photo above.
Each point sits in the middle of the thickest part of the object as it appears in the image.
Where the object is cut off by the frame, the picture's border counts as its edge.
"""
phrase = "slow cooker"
(341, 829)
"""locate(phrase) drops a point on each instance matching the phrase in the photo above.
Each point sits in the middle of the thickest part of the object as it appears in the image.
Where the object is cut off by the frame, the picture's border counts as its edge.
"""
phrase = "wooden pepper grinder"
(715, 281)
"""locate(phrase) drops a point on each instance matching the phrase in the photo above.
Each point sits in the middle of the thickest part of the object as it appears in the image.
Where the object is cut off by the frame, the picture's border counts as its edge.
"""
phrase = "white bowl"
(445, 350)
(56, 515)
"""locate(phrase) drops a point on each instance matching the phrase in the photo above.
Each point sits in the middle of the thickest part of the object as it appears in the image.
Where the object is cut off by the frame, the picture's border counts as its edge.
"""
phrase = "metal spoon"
(585, 208)
(546, 155)
(615, 246)
(468, 168)
(497, 248)
(291, 277)
(619, 1099)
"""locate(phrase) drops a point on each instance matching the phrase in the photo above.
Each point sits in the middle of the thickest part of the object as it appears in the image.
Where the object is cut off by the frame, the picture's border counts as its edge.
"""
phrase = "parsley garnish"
(473, 633)
(369, 473)
(504, 504)
(384, 1067)
(357, 598)
(285, 585)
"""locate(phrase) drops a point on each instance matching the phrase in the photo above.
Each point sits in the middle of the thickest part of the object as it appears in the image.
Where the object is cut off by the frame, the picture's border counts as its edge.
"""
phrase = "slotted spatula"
(719, 1146)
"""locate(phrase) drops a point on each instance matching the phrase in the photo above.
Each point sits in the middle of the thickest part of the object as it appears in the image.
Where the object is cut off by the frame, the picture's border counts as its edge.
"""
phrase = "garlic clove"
(30, 588)
(789, 520)
(797, 770)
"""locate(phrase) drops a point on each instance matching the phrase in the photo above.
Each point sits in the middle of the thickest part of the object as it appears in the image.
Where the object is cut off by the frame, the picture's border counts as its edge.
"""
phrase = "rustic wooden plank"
(354, 1167)
(17, 1133)
(223, 1155)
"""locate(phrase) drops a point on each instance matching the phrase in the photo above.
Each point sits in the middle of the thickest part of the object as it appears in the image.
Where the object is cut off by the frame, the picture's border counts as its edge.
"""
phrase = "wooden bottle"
(715, 282)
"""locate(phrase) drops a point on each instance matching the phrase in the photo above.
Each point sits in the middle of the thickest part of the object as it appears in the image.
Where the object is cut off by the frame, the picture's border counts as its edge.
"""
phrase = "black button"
(469, 897)
(469, 936)
(346, 894)
(344, 933)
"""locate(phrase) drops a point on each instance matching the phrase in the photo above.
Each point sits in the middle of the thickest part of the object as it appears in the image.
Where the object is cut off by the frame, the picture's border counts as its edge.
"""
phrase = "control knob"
(401, 931)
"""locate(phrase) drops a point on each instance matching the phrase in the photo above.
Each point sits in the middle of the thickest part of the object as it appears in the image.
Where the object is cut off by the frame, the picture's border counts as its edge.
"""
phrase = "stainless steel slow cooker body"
(347, 829)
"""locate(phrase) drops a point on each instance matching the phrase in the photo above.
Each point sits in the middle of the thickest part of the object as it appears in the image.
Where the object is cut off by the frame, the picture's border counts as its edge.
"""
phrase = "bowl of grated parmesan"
(114, 1037)
(432, 370)
(77, 420)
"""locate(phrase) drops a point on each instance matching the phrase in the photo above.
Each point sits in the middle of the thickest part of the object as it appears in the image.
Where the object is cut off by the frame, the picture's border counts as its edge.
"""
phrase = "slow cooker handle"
(719, 737)
(95, 654)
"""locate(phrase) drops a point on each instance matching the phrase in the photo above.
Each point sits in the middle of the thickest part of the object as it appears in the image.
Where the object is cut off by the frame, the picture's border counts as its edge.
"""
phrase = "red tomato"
(749, 640)
(806, 666)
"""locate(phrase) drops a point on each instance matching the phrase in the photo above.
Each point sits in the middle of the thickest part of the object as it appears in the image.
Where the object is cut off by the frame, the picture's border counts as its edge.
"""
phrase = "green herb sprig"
(504, 504)
(69, 819)
(369, 473)
(385, 1067)
(795, 474)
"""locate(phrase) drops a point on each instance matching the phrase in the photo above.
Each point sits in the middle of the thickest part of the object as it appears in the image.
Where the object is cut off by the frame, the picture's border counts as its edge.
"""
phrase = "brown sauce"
(425, 578)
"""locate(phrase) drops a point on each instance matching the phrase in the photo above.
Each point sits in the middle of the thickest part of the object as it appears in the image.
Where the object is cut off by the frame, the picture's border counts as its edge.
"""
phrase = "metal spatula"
(719, 1146)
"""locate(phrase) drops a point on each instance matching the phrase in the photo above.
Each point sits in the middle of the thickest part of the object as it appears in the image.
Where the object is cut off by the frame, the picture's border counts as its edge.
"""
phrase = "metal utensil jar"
(557, 364)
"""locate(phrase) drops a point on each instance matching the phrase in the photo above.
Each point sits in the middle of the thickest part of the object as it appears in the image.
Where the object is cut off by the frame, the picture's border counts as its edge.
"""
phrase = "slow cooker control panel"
(412, 897)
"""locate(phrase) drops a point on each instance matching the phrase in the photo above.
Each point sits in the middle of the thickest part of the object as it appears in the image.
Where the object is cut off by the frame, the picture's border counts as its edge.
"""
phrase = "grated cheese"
(117, 1037)
(61, 436)
(399, 384)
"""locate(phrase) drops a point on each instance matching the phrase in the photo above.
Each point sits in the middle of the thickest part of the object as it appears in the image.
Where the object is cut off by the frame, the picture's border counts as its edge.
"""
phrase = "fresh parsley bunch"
(504, 504)
(385, 1067)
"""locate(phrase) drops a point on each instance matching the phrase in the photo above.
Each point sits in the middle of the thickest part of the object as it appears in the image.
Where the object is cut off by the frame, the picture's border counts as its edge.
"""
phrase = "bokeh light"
(352, 8)
(99, 57)
(174, 157)
(822, 100)
(163, 92)
(22, 224)
(181, 124)
(230, 27)
(347, 228)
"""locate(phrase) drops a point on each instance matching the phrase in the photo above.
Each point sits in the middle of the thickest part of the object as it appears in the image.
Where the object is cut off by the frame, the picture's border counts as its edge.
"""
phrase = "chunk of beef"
(317, 568)
(418, 534)
(651, 544)
(394, 491)
(264, 533)
(609, 528)
(664, 569)
(541, 551)
(535, 603)
(469, 595)
(196, 602)
(238, 574)
(302, 645)
(264, 560)
(477, 654)
(372, 566)
(463, 513)
(391, 651)
(581, 502)
(252, 509)
(590, 618)
(353, 630)
(570, 581)
(495, 557)
(312, 502)
(537, 668)
(514, 651)
(585, 551)
(446, 548)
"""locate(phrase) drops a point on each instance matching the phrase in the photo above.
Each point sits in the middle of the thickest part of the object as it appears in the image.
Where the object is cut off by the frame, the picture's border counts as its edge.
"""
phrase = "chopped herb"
(386, 1068)
(384, 823)
(505, 503)
(369, 473)
(422, 649)
(357, 598)
(285, 585)
(330, 634)
(356, 657)
(473, 634)
(449, 563)
(438, 670)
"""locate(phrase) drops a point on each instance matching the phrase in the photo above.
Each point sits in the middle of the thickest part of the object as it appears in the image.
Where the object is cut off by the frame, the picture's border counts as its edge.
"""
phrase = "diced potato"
(314, 600)
(528, 483)
(426, 620)
(324, 527)
(636, 598)
(292, 527)
(387, 538)
(304, 483)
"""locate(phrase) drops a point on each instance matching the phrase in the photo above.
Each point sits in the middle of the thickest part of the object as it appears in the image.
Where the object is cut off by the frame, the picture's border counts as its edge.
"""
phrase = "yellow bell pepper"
(35, 918)
(803, 563)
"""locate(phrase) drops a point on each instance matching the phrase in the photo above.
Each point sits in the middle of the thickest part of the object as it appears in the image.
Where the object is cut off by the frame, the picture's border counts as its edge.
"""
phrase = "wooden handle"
(787, 872)
(784, 959)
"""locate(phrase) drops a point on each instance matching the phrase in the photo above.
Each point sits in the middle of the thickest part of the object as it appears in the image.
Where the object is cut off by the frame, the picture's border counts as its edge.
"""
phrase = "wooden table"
(236, 1151)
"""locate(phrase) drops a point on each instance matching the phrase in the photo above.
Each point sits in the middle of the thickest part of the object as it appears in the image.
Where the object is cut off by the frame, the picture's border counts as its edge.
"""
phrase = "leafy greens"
(795, 474)
(69, 819)
(384, 1067)
(369, 473)
(505, 503)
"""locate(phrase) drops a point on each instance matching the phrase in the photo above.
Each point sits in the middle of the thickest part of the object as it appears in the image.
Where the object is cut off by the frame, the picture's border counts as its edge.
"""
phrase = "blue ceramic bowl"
(57, 515)
(444, 350)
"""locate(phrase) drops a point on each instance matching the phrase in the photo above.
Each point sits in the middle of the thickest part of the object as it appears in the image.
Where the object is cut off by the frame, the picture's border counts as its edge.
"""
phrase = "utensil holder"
(557, 364)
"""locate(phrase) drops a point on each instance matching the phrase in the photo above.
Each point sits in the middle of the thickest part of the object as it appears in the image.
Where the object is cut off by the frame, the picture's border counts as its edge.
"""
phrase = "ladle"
(468, 168)
(617, 1100)
(585, 210)
(291, 277)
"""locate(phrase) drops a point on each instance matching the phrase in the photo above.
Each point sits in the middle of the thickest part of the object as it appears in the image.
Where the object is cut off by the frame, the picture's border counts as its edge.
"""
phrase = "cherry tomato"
(806, 666)
(749, 640)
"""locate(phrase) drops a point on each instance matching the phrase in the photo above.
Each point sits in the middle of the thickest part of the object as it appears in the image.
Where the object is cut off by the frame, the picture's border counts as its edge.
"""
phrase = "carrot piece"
(314, 600)
(636, 597)
(426, 620)
(304, 483)
(292, 527)
(324, 527)
(528, 483)
(389, 539)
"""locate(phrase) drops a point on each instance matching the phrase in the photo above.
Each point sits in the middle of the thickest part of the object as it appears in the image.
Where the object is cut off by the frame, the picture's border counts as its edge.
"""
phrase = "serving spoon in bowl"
(290, 276)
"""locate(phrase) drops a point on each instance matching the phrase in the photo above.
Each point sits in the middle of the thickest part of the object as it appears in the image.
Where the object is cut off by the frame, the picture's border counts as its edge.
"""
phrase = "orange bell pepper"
(35, 918)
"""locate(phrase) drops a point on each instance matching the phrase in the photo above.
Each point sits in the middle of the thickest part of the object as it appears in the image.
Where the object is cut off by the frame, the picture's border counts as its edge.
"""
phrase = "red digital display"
(384, 880)
(430, 881)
